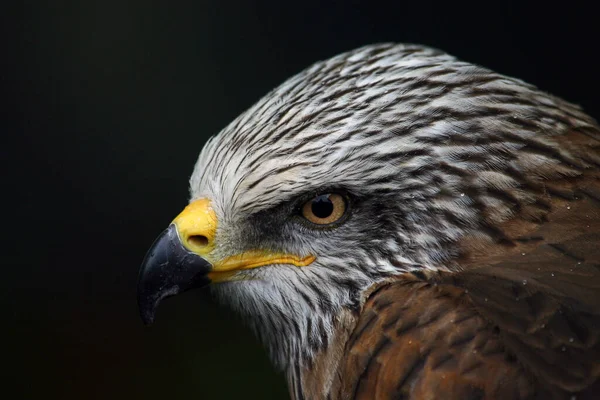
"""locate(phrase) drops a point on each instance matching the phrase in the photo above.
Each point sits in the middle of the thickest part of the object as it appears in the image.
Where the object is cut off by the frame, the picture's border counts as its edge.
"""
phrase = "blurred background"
(106, 107)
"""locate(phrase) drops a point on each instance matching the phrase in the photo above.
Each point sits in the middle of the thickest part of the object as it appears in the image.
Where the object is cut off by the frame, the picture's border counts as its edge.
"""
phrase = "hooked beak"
(182, 258)
(168, 269)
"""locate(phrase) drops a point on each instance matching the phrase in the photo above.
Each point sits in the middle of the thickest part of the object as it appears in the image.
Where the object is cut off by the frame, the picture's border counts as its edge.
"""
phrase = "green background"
(107, 105)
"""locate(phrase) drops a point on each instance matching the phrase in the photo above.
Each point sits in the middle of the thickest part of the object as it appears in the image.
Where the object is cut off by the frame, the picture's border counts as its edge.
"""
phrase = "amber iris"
(324, 209)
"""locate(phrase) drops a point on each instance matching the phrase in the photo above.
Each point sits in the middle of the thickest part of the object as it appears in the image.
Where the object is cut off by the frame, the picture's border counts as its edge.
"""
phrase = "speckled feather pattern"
(433, 150)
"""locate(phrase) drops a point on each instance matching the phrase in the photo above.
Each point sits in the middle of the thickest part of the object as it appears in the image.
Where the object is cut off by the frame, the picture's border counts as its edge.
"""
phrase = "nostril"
(198, 241)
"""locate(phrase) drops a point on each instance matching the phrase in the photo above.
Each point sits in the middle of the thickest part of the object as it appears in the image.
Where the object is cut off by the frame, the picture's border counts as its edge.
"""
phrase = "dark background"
(106, 107)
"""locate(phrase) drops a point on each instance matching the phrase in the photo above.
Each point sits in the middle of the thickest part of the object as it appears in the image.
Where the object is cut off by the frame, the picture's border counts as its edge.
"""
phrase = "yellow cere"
(197, 226)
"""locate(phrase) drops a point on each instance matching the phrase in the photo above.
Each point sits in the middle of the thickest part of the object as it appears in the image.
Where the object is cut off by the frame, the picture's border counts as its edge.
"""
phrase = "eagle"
(394, 223)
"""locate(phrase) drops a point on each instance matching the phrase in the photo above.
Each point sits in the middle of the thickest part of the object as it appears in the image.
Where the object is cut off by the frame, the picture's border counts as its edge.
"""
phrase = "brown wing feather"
(522, 320)
(418, 340)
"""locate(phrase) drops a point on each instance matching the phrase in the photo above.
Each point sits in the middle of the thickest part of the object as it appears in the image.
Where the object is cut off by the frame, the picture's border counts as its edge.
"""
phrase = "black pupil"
(321, 206)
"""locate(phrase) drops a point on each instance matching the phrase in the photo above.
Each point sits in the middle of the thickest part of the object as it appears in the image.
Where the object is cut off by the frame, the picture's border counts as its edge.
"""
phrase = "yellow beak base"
(197, 228)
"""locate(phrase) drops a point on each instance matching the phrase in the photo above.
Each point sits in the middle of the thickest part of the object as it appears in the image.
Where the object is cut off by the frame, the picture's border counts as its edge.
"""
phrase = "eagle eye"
(324, 209)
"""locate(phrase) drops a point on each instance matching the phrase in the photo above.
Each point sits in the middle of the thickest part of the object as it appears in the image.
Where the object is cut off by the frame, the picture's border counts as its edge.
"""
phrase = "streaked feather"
(456, 171)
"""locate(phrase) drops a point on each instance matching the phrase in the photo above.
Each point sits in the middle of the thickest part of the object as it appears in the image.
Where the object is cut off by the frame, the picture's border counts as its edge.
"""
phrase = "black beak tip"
(147, 309)
(147, 317)
(149, 303)
(168, 269)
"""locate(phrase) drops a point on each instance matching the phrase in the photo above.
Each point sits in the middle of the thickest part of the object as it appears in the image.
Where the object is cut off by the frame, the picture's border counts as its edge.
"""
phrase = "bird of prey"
(396, 223)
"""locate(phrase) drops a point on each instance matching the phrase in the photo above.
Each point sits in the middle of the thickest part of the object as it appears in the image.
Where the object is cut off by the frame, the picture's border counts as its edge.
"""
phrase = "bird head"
(370, 164)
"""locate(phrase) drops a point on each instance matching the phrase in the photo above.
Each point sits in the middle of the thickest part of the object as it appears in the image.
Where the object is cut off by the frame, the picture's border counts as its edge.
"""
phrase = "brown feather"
(521, 320)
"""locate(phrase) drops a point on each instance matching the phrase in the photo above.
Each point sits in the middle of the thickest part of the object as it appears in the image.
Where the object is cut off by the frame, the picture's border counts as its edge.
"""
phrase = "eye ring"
(324, 209)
